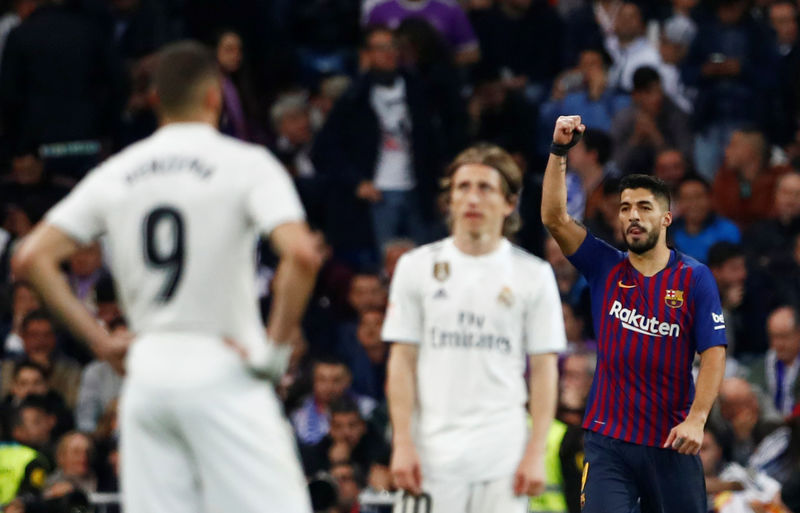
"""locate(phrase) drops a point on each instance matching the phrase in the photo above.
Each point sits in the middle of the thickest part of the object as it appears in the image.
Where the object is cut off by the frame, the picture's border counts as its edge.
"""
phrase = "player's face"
(478, 204)
(643, 219)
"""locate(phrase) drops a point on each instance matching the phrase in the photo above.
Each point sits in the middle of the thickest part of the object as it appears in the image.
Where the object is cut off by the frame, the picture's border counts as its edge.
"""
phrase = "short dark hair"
(344, 405)
(32, 401)
(604, 55)
(695, 178)
(181, 67)
(655, 185)
(36, 315)
(599, 141)
(723, 251)
(644, 77)
(28, 364)
(329, 360)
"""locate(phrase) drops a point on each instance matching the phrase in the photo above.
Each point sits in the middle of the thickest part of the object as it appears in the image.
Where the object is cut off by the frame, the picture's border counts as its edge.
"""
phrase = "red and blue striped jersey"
(648, 330)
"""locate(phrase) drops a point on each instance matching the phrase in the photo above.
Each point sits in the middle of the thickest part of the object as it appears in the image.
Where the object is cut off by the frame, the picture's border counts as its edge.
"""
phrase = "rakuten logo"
(640, 324)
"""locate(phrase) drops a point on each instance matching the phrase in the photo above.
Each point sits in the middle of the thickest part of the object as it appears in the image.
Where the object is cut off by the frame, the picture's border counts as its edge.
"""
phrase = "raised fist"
(565, 126)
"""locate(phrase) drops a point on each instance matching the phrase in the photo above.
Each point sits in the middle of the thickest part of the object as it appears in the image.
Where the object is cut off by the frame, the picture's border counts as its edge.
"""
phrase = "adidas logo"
(440, 294)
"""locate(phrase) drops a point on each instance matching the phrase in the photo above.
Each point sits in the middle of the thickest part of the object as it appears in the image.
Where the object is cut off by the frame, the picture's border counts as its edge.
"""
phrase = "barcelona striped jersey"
(648, 330)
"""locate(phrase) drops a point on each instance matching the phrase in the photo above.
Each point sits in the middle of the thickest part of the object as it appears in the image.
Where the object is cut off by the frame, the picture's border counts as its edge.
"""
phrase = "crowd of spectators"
(365, 102)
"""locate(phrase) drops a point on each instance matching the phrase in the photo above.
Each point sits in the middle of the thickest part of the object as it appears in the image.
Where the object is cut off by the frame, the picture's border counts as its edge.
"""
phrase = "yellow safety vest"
(14, 458)
(552, 500)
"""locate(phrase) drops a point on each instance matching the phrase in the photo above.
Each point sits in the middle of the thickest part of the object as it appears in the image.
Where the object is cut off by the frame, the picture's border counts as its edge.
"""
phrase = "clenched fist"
(565, 126)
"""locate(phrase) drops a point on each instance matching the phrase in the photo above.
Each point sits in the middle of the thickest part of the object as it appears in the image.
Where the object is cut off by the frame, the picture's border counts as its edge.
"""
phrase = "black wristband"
(562, 149)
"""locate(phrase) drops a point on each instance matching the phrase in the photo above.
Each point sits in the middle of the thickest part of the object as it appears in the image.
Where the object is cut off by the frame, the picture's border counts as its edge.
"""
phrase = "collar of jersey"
(182, 126)
(673, 258)
(504, 243)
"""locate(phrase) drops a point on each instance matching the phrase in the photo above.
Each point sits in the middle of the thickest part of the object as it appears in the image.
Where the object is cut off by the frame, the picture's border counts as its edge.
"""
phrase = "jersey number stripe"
(163, 231)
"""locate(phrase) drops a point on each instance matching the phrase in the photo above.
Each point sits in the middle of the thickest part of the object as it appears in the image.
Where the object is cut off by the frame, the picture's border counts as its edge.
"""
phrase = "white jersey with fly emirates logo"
(182, 211)
(475, 318)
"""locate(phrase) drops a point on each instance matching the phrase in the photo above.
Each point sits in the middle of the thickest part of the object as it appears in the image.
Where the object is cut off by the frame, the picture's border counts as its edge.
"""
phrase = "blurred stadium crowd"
(365, 102)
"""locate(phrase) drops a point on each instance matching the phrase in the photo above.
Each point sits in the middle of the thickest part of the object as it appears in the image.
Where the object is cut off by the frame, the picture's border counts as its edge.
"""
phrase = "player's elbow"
(554, 218)
(23, 261)
(305, 256)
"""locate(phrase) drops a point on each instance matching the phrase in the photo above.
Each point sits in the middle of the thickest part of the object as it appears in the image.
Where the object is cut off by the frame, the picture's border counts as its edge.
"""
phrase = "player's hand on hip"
(406, 469)
(565, 127)
(269, 361)
(686, 437)
(529, 479)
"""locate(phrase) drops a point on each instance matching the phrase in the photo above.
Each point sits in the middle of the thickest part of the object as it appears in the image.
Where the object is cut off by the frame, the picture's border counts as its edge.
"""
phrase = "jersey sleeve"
(272, 199)
(709, 324)
(595, 257)
(80, 213)
(403, 322)
(544, 321)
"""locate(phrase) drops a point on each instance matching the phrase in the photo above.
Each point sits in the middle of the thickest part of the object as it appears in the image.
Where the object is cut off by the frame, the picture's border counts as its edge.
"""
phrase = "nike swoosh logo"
(623, 286)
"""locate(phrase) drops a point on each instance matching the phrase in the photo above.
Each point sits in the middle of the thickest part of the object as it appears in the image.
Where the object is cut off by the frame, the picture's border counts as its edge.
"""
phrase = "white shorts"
(496, 496)
(217, 444)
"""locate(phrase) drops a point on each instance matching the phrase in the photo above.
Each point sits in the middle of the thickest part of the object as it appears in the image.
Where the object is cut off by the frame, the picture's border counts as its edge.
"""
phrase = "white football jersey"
(475, 318)
(181, 212)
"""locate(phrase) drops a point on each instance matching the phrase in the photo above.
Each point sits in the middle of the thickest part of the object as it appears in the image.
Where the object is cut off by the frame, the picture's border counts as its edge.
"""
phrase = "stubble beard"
(643, 246)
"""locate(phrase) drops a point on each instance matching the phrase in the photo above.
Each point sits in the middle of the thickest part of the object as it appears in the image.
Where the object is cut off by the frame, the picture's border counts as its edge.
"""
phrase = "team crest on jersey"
(441, 270)
(674, 298)
(506, 297)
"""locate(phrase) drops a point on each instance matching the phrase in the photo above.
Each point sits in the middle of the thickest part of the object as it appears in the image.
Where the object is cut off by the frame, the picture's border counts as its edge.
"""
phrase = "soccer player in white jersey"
(201, 429)
(465, 316)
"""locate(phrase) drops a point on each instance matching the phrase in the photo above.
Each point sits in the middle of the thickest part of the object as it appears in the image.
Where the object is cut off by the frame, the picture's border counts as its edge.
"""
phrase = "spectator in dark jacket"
(519, 38)
(652, 123)
(350, 439)
(377, 151)
(770, 242)
(61, 88)
(732, 65)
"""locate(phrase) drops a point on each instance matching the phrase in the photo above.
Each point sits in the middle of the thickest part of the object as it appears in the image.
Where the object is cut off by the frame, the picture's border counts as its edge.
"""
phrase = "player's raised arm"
(566, 231)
